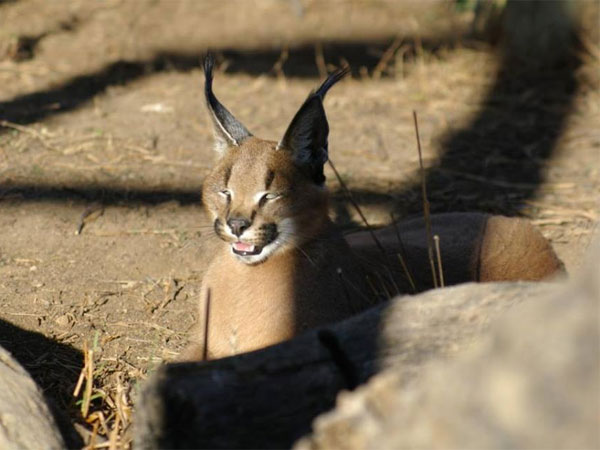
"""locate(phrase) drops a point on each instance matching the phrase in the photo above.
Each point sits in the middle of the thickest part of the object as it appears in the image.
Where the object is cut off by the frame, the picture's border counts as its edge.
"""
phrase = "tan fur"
(311, 280)
(253, 306)
(474, 247)
(512, 249)
(256, 306)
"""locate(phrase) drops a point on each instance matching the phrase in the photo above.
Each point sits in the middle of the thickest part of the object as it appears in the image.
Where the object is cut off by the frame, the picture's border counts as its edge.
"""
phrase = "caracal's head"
(268, 197)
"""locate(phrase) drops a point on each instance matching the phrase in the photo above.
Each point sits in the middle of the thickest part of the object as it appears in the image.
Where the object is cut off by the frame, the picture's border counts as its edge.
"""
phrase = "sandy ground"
(106, 141)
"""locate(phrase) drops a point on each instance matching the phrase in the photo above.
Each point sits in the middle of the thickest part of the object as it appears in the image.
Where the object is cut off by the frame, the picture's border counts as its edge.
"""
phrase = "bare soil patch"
(105, 141)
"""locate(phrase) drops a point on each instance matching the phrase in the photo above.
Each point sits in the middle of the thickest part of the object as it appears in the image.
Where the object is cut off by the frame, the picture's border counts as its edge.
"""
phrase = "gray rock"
(25, 420)
(533, 382)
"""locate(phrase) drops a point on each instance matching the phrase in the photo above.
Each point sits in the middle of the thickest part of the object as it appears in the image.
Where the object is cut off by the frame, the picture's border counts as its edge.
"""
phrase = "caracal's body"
(282, 266)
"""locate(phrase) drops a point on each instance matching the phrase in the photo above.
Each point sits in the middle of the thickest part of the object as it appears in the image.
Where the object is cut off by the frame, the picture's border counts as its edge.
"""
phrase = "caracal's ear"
(229, 132)
(306, 136)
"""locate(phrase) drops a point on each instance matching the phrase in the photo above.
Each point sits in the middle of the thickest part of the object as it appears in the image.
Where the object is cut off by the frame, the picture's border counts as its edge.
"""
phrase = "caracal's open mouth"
(243, 249)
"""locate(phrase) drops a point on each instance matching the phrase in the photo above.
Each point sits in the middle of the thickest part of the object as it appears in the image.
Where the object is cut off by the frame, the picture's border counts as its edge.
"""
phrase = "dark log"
(268, 398)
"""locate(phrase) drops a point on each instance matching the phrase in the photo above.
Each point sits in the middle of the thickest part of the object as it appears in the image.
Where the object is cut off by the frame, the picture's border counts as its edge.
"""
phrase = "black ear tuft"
(228, 130)
(306, 136)
(331, 80)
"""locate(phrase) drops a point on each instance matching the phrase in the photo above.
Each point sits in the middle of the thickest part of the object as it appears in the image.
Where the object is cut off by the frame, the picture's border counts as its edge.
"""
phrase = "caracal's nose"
(238, 225)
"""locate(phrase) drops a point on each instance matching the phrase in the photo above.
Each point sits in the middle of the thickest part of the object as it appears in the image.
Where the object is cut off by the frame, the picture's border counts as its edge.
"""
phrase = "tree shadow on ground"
(494, 164)
(363, 57)
(55, 368)
(107, 196)
(497, 162)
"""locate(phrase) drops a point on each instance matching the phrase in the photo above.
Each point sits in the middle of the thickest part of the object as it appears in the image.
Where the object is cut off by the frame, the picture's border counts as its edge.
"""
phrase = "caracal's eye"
(225, 193)
(270, 196)
(260, 198)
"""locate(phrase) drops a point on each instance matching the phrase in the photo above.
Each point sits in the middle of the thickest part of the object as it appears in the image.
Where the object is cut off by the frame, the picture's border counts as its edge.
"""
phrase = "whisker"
(284, 240)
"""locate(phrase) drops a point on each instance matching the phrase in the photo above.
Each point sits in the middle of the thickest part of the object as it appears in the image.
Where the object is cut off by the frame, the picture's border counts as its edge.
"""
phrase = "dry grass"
(104, 397)
(426, 207)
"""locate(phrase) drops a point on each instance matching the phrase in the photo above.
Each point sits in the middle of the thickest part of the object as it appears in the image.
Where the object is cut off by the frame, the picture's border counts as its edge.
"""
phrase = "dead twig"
(87, 373)
(402, 256)
(436, 238)
(278, 66)
(206, 324)
(28, 130)
(114, 434)
(110, 419)
(356, 207)
(491, 181)
(347, 296)
(168, 231)
(81, 376)
(372, 286)
(320, 60)
(357, 290)
(386, 58)
(426, 214)
(173, 290)
(85, 216)
(363, 218)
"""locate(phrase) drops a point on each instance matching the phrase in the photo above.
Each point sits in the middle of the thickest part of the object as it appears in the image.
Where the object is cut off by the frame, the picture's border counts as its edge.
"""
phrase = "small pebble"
(62, 321)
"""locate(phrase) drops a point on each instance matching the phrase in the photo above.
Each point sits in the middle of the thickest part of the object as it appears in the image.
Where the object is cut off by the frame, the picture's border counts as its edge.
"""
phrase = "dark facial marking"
(227, 176)
(269, 231)
(217, 226)
(269, 179)
(253, 215)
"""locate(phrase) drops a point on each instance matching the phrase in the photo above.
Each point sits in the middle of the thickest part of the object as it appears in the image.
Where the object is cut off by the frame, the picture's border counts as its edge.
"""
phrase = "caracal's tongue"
(241, 247)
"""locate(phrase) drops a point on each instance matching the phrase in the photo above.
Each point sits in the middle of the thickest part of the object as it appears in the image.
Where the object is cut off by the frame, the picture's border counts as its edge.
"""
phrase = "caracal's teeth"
(243, 247)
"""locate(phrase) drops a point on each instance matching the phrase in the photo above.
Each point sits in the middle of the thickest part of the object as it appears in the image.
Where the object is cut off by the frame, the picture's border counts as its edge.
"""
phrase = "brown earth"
(105, 132)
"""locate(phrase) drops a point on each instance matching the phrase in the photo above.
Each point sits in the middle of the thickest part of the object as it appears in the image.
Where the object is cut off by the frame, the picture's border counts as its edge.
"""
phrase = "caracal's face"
(261, 203)
(267, 198)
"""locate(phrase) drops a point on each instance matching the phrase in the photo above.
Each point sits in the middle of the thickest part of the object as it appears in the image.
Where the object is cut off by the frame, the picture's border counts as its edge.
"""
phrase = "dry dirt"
(105, 142)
